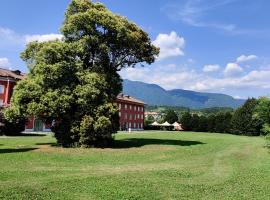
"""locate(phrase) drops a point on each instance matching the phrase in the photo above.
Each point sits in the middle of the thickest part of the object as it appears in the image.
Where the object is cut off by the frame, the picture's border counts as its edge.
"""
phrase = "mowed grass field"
(142, 165)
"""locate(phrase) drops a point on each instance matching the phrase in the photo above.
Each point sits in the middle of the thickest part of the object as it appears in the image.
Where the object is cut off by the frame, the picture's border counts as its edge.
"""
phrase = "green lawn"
(143, 165)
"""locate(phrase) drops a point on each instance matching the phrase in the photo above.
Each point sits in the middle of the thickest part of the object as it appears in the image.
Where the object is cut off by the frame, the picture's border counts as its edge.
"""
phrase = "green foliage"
(243, 122)
(219, 122)
(265, 130)
(195, 122)
(222, 122)
(13, 127)
(73, 82)
(215, 110)
(202, 124)
(186, 120)
(149, 120)
(170, 116)
(181, 110)
(252, 119)
(262, 110)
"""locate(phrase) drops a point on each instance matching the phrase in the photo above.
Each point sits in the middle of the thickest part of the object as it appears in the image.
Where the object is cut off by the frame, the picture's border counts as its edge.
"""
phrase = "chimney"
(18, 72)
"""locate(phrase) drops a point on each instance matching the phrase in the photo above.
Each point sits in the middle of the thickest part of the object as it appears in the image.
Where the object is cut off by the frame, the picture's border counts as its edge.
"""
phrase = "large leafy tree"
(73, 82)
(243, 121)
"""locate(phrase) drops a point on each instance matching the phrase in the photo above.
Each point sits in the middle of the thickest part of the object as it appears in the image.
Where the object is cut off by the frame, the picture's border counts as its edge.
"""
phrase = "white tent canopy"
(176, 124)
(166, 124)
(155, 124)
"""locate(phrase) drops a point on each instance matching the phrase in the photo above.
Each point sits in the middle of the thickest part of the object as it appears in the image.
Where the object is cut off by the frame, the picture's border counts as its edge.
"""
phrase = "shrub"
(11, 128)
(265, 130)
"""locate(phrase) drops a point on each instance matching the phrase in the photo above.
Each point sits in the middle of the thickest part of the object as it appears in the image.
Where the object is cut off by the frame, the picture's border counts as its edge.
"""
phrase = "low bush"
(11, 128)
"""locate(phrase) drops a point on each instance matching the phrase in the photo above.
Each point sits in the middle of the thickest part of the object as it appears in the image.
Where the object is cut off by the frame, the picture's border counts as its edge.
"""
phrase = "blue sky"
(206, 45)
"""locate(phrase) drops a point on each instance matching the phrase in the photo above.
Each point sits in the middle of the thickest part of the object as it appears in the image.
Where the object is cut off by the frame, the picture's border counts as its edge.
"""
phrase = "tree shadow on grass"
(53, 144)
(33, 134)
(28, 135)
(19, 150)
(139, 142)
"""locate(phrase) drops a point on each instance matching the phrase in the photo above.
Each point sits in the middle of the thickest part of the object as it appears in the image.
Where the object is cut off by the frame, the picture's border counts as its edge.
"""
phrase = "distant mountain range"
(153, 94)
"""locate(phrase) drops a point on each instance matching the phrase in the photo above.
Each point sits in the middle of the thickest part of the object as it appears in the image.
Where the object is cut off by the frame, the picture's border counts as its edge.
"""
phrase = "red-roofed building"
(8, 79)
(131, 110)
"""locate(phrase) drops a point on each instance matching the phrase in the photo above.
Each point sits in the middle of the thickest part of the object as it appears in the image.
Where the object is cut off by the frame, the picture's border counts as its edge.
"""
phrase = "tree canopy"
(243, 121)
(72, 83)
(170, 116)
(262, 112)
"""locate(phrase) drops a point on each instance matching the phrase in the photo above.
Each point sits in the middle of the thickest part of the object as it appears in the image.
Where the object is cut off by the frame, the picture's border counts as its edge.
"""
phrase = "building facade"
(8, 79)
(131, 110)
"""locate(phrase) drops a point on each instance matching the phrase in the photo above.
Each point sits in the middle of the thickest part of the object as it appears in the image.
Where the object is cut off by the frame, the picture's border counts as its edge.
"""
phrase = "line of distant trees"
(251, 119)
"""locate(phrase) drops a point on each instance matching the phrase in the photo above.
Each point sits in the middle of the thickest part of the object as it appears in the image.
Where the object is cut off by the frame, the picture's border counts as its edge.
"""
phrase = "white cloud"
(245, 58)
(180, 78)
(8, 37)
(238, 97)
(192, 12)
(211, 68)
(236, 79)
(4, 63)
(170, 45)
(190, 60)
(43, 38)
(196, 13)
(233, 70)
(254, 83)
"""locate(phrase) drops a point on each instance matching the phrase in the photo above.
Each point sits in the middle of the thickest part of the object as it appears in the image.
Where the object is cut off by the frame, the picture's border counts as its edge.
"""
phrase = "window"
(130, 107)
(119, 114)
(2, 88)
(135, 108)
(125, 106)
(119, 106)
(134, 125)
(130, 117)
(138, 116)
(141, 116)
(129, 124)
(135, 116)
(126, 116)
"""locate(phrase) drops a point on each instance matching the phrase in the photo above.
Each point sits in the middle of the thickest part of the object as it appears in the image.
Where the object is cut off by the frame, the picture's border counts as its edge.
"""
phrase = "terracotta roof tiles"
(16, 74)
(129, 98)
